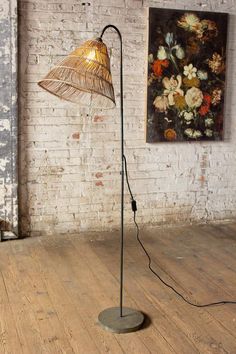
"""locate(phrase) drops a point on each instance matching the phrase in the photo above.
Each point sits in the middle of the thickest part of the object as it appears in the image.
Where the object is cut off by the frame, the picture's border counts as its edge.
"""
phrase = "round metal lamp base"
(131, 320)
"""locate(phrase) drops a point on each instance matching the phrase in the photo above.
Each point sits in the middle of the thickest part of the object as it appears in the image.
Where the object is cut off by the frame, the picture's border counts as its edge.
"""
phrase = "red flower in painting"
(207, 99)
(158, 66)
(205, 107)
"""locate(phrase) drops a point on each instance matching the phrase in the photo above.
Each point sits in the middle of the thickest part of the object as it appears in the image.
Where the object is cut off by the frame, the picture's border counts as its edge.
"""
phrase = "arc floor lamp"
(84, 76)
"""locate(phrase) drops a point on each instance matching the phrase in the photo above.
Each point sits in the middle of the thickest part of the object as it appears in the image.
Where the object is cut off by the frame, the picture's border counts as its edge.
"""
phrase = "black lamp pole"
(120, 319)
(122, 168)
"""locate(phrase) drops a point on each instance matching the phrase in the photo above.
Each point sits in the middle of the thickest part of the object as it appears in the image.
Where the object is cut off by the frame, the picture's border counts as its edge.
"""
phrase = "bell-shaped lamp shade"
(83, 77)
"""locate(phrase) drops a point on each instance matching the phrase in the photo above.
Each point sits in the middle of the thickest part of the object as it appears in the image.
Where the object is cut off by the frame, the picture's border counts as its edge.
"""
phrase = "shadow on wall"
(23, 160)
(230, 68)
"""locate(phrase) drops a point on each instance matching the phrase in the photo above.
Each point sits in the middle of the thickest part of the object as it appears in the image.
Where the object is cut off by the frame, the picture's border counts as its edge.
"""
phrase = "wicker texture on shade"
(83, 76)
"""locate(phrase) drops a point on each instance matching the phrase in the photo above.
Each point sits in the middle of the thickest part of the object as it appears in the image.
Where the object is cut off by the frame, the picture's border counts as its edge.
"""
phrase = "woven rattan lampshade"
(83, 76)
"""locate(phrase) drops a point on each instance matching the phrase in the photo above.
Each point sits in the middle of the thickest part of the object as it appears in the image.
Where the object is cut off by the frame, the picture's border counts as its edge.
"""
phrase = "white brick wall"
(8, 117)
(70, 156)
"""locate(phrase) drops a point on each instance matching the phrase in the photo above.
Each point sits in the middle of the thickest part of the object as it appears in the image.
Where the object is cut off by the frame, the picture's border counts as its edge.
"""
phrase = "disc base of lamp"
(131, 320)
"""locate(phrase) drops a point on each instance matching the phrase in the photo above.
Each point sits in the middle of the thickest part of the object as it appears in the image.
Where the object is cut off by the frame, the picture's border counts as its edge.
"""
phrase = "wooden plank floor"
(52, 289)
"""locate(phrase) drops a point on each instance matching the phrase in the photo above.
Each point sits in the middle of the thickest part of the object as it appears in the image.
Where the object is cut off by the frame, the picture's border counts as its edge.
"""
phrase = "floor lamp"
(84, 77)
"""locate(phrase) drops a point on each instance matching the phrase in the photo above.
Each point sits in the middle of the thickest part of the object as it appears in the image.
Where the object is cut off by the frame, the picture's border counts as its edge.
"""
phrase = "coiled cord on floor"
(134, 209)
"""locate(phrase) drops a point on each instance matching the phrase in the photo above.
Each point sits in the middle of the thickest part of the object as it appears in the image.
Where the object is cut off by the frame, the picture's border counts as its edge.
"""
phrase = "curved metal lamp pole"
(76, 79)
(122, 167)
(120, 319)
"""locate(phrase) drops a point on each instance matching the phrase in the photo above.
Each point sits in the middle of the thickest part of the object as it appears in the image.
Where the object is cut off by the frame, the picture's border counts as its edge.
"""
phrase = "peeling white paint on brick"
(4, 108)
(3, 165)
(4, 125)
(8, 116)
(173, 183)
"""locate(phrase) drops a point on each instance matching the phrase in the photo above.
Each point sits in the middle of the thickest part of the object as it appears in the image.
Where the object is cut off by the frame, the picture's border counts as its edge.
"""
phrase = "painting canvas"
(186, 75)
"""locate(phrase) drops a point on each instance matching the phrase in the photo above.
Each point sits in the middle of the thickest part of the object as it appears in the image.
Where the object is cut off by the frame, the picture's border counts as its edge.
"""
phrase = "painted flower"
(210, 26)
(188, 116)
(205, 107)
(207, 99)
(158, 66)
(150, 58)
(151, 78)
(189, 22)
(207, 30)
(180, 102)
(189, 132)
(208, 132)
(180, 54)
(169, 38)
(204, 29)
(170, 134)
(202, 75)
(172, 88)
(190, 71)
(216, 64)
(197, 134)
(161, 103)
(171, 50)
(208, 122)
(216, 96)
(161, 53)
(194, 97)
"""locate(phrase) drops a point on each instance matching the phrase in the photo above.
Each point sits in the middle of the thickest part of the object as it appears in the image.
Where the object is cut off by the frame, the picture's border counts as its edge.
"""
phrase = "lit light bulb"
(91, 55)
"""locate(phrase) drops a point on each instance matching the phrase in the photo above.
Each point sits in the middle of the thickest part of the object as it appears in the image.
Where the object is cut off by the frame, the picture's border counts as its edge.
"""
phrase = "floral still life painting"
(186, 75)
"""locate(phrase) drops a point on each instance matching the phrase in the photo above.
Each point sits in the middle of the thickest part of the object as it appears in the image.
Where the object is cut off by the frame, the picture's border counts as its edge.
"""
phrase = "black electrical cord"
(134, 209)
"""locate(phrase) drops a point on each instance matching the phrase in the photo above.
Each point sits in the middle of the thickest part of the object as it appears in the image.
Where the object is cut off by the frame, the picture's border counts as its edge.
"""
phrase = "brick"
(75, 185)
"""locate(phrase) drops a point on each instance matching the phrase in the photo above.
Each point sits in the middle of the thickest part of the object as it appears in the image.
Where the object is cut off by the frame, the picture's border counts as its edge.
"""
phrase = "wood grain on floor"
(53, 288)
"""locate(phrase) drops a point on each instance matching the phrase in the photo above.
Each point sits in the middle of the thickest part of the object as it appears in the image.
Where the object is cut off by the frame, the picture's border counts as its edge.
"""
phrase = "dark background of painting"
(162, 21)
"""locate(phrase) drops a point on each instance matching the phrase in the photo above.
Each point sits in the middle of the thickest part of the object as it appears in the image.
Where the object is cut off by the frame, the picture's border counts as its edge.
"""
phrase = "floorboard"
(53, 288)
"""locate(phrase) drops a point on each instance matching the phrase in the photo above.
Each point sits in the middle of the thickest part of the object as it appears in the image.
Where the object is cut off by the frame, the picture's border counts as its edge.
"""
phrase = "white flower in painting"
(161, 53)
(188, 116)
(194, 134)
(208, 132)
(189, 132)
(190, 71)
(189, 21)
(216, 64)
(208, 122)
(169, 38)
(172, 88)
(197, 134)
(179, 52)
(150, 58)
(202, 75)
(161, 103)
(216, 96)
(194, 97)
